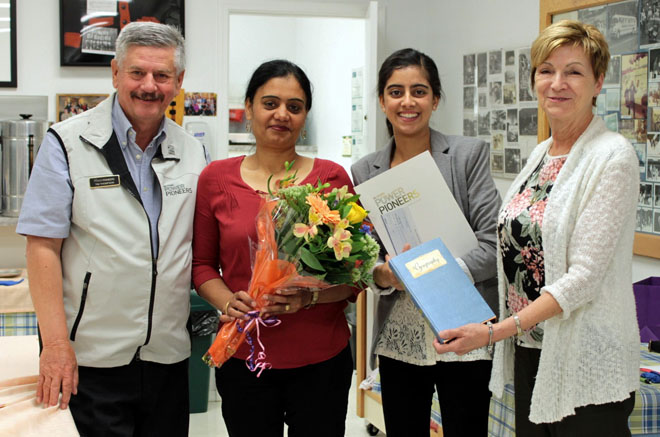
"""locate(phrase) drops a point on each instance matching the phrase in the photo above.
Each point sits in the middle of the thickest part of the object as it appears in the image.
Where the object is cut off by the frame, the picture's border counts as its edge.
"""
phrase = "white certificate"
(411, 203)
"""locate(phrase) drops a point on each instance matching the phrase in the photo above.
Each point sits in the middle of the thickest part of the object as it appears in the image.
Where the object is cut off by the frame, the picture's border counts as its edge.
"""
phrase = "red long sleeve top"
(224, 224)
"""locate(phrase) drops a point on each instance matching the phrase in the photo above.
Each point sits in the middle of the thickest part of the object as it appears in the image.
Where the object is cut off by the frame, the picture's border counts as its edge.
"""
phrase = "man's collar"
(123, 128)
(101, 125)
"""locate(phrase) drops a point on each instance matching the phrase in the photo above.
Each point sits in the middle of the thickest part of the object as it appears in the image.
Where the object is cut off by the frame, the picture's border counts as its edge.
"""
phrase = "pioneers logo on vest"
(175, 190)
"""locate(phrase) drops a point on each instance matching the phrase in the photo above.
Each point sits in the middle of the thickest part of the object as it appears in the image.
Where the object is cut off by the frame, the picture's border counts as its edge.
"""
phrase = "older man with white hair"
(108, 217)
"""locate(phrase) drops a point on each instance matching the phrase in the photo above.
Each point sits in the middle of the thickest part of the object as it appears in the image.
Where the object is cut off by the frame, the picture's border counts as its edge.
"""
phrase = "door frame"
(364, 9)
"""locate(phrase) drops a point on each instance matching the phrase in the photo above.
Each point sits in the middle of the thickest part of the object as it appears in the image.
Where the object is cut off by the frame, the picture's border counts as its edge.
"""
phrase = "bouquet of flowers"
(308, 237)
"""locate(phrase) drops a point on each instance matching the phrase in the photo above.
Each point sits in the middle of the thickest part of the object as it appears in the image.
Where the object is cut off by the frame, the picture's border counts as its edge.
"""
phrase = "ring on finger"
(287, 307)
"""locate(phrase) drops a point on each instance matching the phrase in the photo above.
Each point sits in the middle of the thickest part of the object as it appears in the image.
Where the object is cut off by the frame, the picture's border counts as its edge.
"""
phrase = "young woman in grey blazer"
(409, 90)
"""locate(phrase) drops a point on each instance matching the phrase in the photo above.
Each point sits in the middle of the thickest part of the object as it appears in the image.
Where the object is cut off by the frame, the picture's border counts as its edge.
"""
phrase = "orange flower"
(321, 209)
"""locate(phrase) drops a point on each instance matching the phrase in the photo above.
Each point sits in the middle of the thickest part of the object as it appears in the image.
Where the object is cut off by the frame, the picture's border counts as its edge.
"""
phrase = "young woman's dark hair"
(406, 58)
(279, 68)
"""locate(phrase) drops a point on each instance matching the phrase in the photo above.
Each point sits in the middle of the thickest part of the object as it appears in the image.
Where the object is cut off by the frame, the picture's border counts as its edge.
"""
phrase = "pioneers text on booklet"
(411, 203)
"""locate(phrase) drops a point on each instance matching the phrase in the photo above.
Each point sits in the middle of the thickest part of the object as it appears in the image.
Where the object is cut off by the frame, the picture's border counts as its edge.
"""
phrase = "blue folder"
(439, 287)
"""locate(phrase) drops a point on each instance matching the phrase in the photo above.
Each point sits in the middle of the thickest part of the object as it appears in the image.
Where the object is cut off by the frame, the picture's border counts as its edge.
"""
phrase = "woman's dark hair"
(279, 68)
(406, 58)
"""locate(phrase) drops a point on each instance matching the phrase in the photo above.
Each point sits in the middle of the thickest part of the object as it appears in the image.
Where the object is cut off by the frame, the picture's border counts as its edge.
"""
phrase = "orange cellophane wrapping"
(268, 275)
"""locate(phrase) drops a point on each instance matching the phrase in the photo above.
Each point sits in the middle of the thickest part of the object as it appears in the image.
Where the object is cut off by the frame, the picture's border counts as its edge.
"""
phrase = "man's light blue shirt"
(46, 209)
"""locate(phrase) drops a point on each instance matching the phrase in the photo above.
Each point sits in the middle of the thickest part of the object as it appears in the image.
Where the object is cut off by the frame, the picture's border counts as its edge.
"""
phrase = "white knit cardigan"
(590, 351)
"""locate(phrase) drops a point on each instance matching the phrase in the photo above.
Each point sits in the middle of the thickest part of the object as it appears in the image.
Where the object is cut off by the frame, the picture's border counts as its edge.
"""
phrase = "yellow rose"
(356, 214)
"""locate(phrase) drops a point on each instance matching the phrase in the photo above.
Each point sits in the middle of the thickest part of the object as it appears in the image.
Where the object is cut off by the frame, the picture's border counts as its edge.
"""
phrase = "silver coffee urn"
(20, 142)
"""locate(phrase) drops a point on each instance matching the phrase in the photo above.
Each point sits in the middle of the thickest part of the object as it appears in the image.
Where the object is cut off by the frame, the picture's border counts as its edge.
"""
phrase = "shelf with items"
(369, 403)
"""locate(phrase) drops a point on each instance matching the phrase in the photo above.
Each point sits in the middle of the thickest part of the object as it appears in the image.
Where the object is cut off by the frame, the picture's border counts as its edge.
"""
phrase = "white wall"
(444, 29)
(327, 49)
(254, 39)
(340, 43)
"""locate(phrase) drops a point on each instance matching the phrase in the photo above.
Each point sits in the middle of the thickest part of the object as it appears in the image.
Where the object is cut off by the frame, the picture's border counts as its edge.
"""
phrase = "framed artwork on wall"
(69, 105)
(89, 29)
(630, 99)
(8, 43)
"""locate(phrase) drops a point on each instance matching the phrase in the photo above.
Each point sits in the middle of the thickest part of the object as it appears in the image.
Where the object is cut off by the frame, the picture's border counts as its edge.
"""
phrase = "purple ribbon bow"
(260, 363)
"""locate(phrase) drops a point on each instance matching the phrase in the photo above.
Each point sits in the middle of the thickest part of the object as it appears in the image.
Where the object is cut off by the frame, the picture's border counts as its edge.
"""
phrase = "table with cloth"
(16, 310)
(20, 415)
(644, 420)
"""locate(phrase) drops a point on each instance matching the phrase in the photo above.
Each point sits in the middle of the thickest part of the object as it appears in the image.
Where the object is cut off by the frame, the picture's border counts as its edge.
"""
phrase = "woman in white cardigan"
(568, 331)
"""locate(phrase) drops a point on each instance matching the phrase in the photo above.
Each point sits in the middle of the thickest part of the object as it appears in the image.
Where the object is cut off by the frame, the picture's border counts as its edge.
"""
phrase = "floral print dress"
(408, 337)
(519, 235)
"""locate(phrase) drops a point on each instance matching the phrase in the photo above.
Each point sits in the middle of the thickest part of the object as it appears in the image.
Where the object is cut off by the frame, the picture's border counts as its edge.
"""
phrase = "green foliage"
(325, 243)
(308, 258)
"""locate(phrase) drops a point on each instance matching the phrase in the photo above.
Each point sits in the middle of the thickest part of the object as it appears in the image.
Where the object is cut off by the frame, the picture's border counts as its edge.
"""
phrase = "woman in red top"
(307, 387)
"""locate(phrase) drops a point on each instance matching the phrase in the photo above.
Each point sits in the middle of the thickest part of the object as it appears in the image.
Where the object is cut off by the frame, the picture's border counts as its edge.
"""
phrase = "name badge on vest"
(104, 181)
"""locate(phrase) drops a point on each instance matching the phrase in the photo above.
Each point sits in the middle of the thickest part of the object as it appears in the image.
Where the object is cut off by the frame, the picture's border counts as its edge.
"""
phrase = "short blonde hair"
(576, 33)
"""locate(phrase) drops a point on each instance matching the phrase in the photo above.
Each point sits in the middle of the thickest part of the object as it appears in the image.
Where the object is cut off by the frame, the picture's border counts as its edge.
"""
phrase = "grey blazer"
(465, 165)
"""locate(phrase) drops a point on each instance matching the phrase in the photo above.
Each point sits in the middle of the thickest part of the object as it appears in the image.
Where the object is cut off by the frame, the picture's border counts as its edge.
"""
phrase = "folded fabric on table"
(20, 415)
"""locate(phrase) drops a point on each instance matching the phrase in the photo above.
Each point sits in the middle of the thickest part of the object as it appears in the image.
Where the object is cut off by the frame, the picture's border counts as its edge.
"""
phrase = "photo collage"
(499, 106)
(630, 99)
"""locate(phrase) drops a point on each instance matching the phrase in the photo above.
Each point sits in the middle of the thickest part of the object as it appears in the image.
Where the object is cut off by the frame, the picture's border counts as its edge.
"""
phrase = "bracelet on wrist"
(490, 337)
(519, 330)
(314, 299)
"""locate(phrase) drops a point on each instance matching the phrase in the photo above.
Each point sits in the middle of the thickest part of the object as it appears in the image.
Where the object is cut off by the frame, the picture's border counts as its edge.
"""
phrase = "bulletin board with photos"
(629, 101)
(500, 106)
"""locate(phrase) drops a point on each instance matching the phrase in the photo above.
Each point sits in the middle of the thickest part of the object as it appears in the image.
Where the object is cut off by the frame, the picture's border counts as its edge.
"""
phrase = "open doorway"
(328, 49)
(329, 40)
